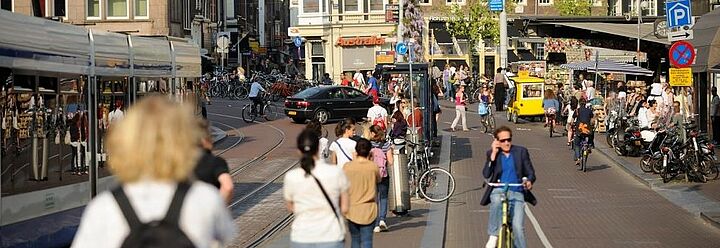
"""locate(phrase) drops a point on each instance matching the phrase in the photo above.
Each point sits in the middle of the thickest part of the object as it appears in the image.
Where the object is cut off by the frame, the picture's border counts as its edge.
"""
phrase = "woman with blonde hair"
(153, 152)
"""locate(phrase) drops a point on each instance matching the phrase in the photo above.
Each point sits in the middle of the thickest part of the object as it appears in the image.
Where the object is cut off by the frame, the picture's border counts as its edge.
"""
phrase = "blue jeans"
(517, 211)
(509, 96)
(362, 235)
(382, 193)
(337, 244)
(448, 90)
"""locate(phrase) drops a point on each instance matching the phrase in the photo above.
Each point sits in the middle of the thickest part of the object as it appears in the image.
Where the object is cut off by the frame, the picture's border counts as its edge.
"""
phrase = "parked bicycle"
(434, 184)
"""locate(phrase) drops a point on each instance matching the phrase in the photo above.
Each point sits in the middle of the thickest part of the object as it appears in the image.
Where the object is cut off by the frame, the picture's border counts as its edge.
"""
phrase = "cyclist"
(485, 99)
(583, 126)
(255, 96)
(551, 105)
(508, 163)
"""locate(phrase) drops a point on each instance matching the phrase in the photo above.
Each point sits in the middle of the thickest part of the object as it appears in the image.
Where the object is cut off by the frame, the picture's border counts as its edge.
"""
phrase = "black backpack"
(156, 233)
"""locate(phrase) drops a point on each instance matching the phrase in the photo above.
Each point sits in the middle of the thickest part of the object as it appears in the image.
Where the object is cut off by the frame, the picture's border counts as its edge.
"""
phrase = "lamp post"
(640, 6)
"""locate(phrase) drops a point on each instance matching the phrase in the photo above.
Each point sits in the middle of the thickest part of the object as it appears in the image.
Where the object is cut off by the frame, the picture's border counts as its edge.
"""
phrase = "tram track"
(268, 189)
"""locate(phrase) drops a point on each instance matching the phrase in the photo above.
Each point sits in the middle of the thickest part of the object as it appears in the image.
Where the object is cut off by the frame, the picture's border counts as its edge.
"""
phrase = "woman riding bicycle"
(583, 126)
(551, 105)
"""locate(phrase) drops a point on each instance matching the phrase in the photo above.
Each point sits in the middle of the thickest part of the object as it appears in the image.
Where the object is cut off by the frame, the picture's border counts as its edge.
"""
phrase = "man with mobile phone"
(508, 163)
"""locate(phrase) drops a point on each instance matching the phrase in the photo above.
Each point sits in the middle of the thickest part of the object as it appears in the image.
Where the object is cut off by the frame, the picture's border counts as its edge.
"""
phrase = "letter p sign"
(678, 13)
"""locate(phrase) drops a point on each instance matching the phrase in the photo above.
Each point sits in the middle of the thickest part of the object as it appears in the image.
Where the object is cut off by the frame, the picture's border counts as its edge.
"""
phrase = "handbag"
(68, 139)
(327, 198)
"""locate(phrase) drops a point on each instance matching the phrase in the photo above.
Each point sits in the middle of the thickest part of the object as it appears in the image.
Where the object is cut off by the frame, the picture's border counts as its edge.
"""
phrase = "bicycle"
(551, 123)
(505, 237)
(269, 111)
(585, 150)
(488, 120)
(431, 183)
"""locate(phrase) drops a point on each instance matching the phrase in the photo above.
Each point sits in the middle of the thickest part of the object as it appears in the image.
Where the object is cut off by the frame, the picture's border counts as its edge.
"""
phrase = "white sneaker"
(383, 226)
(376, 229)
(492, 242)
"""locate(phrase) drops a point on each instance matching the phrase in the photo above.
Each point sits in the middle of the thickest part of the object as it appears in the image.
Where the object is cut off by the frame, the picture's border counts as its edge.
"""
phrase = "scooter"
(629, 142)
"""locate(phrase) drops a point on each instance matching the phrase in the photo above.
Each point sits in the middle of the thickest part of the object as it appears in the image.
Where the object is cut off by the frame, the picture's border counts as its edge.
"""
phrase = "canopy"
(607, 66)
(707, 41)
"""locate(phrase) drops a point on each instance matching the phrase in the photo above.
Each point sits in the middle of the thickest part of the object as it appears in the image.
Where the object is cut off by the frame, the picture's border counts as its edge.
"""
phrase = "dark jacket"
(523, 166)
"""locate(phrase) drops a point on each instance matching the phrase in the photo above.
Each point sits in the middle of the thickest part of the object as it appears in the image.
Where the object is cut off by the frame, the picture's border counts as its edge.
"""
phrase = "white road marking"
(538, 230)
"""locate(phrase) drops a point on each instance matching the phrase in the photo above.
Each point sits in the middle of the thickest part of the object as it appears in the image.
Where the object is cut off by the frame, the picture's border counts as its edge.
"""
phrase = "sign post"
(298, 42)
(222, 43)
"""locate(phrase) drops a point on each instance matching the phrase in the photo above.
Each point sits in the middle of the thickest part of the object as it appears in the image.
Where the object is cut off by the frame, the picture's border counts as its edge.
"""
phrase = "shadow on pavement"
(597, 168)
(463, 151)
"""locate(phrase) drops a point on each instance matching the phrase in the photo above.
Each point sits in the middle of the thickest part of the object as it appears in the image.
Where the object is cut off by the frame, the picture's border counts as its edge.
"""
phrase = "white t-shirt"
(590, 93)
(348, 147)
(376, 112)
(359, 78)
(322, 148)
(656, 89)
(115, 115)
(643, 118)
(204, 217)
(314, 220)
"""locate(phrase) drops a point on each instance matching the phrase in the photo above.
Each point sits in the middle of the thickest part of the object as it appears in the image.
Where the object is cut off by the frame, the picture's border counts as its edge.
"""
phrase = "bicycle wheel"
(241, 93)
(412, 178)
(437, 184)
(484, 121)
(710, 170)
(551, 128)
(270, 112)
(247, 114)
(583, 163)
(491, 122)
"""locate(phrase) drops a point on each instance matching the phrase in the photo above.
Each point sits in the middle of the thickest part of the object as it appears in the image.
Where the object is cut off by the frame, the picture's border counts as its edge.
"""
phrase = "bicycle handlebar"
(505, 184)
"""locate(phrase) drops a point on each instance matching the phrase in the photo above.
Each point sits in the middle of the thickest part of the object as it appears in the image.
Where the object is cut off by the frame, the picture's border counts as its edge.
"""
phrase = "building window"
(351, 5)
(450, 2)
(317, 49)
(521, 2)
(377, 5)
(117, 9)
(545, 2)
(425, 2)
(59, 8)
(6, 5)
(187, 15)
(93, 9)
(141, 9)
(539, 51)
(311, 6)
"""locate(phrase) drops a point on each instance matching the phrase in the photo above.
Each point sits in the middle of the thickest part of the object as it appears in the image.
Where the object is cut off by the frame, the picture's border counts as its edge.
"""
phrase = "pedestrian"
(382, 155)
(459, 109)
(291, 70)
(343, 149)
(363, 176)
(377, 115)
(569, 111)
(154, 150)
(715, 113)
(346, 81)
(436, 110)
(314, 193)
(323, 151)
(656, 90)
(359, 80)
(499, 83)
(415, 117)
(399, 126)
(508, 163)
(213, 169)
(447, 74)
(326, 80)
(373, 86)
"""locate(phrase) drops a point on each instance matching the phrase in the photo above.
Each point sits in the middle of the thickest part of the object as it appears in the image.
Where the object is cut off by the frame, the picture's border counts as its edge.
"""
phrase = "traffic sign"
(401, 48)
(680, 35)
(678, 13)
(496, 5)
(682, 54)
(297, 41)
(681, 77)
(223, 42)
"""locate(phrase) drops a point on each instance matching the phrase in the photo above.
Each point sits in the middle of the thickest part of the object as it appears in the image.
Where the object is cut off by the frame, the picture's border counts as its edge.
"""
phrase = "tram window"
(6, 5)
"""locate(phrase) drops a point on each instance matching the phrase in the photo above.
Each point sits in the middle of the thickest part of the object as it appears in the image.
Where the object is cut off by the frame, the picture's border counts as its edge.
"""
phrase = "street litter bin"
(399, 194)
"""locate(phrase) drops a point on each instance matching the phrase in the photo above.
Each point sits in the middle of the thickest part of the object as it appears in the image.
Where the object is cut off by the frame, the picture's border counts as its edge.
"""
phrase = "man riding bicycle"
(254, 95)
(583, 128)
(508, 163)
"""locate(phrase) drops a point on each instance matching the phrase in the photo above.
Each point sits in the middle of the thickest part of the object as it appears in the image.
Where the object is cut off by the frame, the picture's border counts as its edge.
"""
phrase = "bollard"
(399, 195)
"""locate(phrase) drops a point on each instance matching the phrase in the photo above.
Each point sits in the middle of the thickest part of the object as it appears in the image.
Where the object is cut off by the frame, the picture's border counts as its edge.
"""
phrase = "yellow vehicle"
(528, 98)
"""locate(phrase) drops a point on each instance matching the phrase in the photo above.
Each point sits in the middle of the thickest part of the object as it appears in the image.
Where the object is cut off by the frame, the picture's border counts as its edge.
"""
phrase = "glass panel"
(532, 91)
(141, 8)
(376, 5)
(93, 8)
(117, 8)
(351, 5)
(311, 6)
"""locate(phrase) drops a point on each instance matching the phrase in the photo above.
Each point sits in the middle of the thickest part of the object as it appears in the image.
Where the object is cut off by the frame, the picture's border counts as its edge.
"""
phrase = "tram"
(62, 87)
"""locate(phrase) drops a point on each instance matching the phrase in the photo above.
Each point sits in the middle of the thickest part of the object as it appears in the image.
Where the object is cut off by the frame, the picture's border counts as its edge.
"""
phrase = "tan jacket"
(363, 175)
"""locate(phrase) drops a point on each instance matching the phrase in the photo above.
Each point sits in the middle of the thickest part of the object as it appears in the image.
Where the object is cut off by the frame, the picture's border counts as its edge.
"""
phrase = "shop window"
(93, 9)
(141, 9)
(377, 5)
(351, 5)
(117, 9)
(311, 6)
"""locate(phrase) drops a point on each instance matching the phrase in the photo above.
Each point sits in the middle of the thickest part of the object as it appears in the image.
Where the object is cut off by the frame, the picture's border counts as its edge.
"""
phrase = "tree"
(573, 7)
(413, 25)
(475, 21)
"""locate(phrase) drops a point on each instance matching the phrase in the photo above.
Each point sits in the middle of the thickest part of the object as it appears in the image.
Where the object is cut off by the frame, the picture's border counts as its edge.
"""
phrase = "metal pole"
(412, 91)
(639, 19)
(401, 13)
(503, 37)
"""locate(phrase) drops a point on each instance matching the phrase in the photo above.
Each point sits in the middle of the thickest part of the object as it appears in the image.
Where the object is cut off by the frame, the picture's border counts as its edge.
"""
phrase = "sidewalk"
(424, 226)
(700, 199)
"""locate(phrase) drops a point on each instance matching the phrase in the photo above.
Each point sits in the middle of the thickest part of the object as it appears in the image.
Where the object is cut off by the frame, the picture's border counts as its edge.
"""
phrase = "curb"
(217, 134)
(434, 234)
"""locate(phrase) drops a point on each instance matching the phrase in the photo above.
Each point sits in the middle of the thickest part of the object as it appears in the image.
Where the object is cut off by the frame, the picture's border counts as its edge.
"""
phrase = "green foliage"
(475, 21)
(573, 7)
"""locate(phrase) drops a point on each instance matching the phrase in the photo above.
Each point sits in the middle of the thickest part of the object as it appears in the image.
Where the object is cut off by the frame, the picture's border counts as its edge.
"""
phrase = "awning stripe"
(607, 66)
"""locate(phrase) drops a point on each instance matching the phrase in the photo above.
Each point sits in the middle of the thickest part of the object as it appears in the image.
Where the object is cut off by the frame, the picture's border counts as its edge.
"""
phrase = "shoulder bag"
(327, 198)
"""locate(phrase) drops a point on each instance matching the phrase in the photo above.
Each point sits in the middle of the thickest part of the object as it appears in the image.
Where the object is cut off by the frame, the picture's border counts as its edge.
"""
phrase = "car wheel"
(322, 116)
(509, 115)
(515, 118)
(299, 120)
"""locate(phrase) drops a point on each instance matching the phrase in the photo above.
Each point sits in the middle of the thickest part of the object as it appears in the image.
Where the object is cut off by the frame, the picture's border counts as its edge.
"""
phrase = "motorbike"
(652, 156)
(627, 139)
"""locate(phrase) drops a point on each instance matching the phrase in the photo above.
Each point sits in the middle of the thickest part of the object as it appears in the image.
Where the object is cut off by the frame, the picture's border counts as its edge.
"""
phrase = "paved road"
(605, 207)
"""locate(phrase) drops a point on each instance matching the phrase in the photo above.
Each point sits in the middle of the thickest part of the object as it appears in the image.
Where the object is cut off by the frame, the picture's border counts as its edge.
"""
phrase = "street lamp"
(641, 5)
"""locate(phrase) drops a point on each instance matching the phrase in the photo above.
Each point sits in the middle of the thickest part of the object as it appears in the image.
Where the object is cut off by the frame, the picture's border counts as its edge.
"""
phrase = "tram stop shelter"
(399, 74)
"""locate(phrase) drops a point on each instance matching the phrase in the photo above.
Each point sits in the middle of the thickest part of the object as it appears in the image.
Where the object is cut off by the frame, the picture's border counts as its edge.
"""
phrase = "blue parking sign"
(678, 13)
(496, 5)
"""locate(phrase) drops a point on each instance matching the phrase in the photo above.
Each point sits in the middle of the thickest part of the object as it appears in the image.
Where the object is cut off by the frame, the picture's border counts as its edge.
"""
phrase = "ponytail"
(308, 143)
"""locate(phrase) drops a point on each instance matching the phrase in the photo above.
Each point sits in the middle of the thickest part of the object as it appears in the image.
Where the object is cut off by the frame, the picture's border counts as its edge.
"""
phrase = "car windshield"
(308, 92)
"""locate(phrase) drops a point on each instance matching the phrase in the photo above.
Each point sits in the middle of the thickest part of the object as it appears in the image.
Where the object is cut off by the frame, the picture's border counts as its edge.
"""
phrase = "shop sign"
(293, 31)
(392, 13)
(384, 57)
(255, 46)
(360, 41)
(681, 77)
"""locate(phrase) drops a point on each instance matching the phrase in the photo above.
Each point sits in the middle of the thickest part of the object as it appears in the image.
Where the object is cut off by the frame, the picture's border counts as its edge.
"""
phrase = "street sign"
(392, 13)
(680, 35)
(297, 41)
(223, 42)
(678, 13)
(681, 77)
(496, 5)
(401, 48)
(682, 54)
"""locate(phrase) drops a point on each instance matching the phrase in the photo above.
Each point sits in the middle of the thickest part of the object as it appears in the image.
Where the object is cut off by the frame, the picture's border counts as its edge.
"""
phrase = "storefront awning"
(526, 55)
(615, 55)
(512, 57)
(707, 41)
(647, 30)
(607, 66)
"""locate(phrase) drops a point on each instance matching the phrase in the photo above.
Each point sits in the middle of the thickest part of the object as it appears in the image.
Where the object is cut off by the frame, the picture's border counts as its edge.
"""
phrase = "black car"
(325, 103)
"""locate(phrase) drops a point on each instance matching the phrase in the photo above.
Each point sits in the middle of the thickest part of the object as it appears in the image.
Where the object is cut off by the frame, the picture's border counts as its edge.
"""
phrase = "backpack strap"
(173, 213)
(126, 208)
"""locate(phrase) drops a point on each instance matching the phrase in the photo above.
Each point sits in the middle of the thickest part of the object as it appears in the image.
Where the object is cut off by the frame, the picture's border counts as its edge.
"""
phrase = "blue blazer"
(523, 168)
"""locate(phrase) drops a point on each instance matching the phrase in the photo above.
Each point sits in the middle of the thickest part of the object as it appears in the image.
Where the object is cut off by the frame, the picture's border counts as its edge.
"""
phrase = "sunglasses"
(505, 140)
